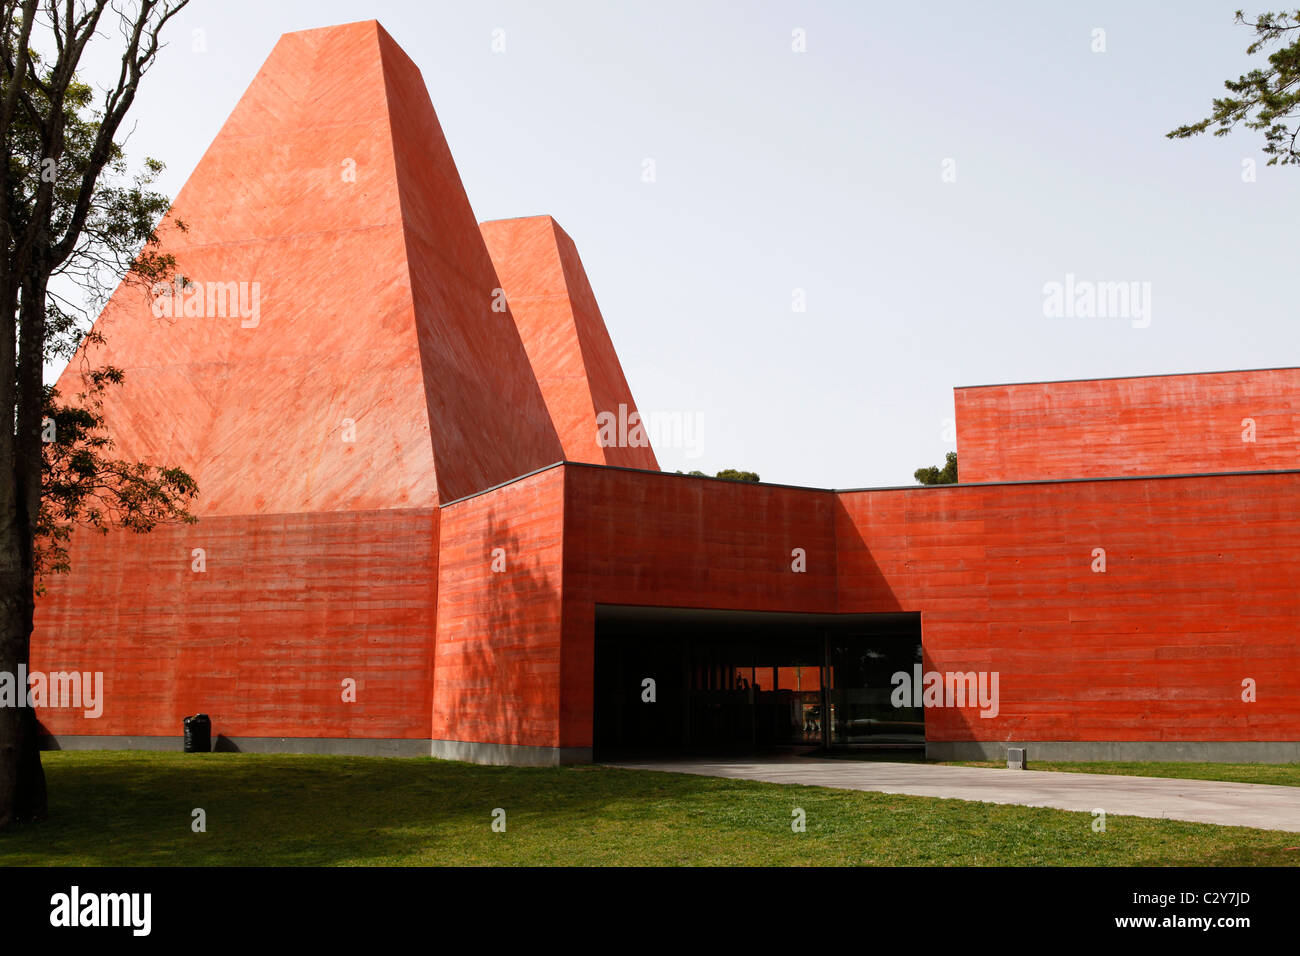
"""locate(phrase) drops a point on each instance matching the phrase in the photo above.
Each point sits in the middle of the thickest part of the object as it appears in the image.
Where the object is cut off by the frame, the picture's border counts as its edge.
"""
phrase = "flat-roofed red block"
(1146, 425)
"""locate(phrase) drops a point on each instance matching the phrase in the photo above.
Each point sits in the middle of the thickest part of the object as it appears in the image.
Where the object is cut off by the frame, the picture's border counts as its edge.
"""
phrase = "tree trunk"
(22, 778)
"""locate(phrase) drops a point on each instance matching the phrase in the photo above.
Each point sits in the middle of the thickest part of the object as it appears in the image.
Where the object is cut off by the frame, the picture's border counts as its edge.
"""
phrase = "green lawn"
(1284, 774)
(135, 809)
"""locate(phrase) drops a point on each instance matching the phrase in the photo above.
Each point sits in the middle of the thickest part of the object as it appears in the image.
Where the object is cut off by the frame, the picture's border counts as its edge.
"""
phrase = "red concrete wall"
(1157, 425)
(1201, 590)
(675, 541)
(497, 664)
(289, 606)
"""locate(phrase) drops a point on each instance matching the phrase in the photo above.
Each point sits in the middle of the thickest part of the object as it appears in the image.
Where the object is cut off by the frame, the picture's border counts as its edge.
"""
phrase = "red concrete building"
(420, 532)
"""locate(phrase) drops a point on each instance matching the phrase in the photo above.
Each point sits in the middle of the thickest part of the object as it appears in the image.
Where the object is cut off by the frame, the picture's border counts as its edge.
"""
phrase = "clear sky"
(824, 171)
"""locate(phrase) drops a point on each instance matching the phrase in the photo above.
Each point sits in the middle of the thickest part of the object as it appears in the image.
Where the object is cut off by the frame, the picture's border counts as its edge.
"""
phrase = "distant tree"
(1263, 99)
(947, 475)
(730, 474)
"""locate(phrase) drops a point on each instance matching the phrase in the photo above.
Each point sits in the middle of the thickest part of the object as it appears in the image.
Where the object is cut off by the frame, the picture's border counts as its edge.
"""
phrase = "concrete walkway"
(1263, 806)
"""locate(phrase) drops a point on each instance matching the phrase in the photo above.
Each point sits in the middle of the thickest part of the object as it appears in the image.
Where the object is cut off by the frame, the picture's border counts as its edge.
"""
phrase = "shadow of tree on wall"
(869, 590)
(507, 643)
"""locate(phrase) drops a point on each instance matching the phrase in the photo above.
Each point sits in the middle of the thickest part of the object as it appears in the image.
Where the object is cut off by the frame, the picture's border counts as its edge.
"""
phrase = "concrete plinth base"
(1211, 751)
(349, 746)
(510, 754)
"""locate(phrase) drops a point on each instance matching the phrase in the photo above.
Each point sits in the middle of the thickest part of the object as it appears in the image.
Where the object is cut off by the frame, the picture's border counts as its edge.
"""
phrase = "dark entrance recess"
(748, 681)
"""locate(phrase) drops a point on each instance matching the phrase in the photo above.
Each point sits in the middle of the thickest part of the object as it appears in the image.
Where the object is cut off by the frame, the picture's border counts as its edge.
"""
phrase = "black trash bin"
(198, 734)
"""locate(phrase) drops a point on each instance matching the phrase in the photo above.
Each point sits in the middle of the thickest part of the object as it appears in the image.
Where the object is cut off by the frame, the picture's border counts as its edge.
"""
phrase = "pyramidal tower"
(341, 339)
